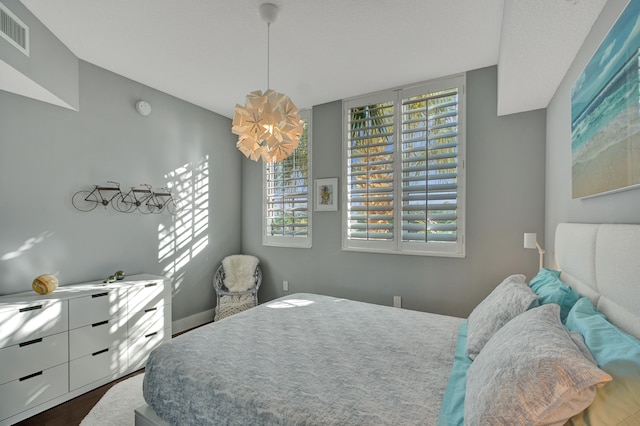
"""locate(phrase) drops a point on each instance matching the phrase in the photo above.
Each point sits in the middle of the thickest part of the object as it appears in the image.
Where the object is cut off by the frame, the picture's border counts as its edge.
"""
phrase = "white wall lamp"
(531, 242)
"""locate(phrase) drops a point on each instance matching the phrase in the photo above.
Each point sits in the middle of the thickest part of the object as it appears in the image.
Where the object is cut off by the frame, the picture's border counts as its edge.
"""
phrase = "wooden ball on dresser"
(45, 283)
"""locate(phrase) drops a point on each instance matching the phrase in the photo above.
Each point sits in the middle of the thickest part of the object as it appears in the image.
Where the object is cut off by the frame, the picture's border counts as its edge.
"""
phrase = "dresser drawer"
(140, 349)
(95, 366)
(20, 395)
(151, 319)
(142, 296)
(97, 307)
(32, 356)
(20, 322)
(95, 337)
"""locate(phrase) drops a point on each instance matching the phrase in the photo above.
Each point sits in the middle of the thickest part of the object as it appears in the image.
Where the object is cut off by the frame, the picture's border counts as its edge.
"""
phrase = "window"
(403, 170)
(286, 201)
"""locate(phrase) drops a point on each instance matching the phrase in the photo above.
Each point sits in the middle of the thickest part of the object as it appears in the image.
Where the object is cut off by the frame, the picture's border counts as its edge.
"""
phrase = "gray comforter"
(306, 359)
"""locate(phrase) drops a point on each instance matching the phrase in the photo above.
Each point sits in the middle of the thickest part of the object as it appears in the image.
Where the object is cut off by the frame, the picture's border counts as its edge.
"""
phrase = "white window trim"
(397, 246)
(293, 242)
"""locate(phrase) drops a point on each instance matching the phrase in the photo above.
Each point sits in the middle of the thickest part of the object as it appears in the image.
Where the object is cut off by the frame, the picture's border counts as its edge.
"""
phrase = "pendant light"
(268, 125)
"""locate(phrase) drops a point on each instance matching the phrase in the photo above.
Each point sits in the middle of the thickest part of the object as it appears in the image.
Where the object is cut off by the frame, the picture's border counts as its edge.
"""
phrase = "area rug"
(116, 407)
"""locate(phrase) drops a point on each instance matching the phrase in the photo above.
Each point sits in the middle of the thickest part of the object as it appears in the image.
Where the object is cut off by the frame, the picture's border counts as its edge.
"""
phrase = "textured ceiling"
(213, 52)
(540, 39)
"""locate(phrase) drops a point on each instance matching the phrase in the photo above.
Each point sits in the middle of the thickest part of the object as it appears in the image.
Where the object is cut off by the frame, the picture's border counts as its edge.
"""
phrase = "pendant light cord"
(268, 51)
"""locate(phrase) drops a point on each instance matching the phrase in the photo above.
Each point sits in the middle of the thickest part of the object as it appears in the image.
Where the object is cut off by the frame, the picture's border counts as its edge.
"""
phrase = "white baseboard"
(192, 321)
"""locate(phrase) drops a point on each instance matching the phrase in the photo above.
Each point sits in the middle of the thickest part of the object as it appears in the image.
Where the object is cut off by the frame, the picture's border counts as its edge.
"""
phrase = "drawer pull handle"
(30, 342)
(151, 284)
(150, 310)
(151, 334)
(100, 352)
(100, 323)
(31, 308)
(39, 373)
(106, 293)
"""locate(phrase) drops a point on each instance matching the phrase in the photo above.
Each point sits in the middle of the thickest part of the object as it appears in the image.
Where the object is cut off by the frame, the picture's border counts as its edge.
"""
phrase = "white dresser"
(57, 346)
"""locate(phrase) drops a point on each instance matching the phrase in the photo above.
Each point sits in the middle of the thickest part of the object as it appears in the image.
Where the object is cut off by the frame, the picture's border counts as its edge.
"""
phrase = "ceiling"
(213, 52)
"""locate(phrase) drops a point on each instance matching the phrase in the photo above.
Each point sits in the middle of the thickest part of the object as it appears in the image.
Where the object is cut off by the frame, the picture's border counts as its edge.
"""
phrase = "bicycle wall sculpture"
(142, 198)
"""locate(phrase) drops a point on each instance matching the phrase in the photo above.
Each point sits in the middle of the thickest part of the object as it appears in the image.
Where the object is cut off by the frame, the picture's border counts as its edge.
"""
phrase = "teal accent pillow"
(548, 286)
(618, 354)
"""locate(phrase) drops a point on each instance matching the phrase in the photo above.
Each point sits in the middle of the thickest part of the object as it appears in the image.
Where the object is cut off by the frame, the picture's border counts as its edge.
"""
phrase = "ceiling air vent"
(14, 30)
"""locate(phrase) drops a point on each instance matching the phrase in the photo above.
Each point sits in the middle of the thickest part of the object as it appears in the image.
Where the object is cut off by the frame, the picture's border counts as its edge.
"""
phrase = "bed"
(533, 352)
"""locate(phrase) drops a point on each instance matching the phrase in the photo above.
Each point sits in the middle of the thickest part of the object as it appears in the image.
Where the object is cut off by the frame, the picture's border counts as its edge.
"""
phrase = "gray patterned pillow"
(532, 371)
(508, 300)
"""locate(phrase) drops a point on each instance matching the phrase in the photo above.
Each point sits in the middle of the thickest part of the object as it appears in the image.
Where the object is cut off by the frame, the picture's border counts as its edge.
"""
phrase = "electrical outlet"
(285, 285)
(397, 302)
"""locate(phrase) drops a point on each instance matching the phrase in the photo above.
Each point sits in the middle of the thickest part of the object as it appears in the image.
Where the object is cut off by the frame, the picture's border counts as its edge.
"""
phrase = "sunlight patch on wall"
(183, 239)
(26, 246)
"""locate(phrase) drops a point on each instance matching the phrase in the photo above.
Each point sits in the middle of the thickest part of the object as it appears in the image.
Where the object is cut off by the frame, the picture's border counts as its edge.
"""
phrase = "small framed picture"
(326, 194)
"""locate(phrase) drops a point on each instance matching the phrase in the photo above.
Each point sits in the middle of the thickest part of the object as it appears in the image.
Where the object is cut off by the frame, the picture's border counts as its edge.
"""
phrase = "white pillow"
(508, 300)
(531, 372)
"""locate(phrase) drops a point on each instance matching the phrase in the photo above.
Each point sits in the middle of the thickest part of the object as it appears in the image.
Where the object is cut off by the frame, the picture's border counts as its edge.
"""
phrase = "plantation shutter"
(286, 201)
(370, 172)
(404, 170)
(430, 167)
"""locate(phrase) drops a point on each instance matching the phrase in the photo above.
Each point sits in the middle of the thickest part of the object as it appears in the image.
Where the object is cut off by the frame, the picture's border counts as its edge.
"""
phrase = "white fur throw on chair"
(238, 271)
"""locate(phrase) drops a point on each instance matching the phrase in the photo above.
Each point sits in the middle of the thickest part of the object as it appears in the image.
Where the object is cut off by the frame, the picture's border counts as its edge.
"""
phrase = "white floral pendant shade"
(268, 126)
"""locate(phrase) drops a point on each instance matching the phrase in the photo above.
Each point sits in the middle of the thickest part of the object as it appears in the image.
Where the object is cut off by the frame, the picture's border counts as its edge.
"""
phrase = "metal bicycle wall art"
(142, 198)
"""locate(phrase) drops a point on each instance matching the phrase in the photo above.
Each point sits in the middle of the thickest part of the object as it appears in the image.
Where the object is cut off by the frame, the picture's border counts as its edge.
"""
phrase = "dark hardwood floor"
(72, 412)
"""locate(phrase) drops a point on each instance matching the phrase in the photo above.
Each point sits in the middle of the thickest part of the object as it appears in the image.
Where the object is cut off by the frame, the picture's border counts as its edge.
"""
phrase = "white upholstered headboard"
(602, 262)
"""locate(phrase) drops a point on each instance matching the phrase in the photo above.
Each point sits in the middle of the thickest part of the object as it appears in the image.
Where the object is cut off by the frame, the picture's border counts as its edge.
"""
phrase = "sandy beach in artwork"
(611, 159)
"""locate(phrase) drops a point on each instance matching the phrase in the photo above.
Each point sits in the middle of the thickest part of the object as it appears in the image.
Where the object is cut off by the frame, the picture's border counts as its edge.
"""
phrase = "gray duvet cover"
(306, 359)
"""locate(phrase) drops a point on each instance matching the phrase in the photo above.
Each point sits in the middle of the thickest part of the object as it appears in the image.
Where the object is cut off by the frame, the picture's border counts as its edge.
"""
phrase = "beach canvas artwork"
(605, 112)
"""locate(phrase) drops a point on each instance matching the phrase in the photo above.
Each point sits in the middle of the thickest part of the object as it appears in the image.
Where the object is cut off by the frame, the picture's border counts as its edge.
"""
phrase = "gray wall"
(505, 198)
(623, 207)
(47, 153)
(50, 63)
